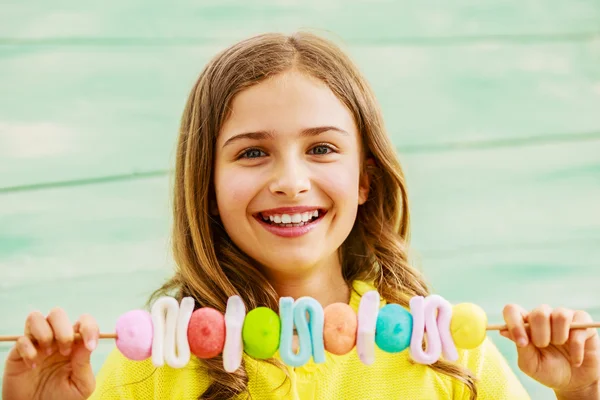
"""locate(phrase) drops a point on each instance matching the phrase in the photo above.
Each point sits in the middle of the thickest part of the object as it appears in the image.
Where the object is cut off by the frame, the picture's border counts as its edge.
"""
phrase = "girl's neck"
(323, 283)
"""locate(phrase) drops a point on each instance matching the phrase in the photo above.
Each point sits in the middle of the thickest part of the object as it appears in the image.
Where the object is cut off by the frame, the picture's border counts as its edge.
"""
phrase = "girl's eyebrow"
(260, 135)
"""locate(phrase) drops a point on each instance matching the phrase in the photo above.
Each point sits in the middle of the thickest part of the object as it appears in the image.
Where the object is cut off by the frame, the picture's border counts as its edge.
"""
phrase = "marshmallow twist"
(170, 322)
(234, 322)
(368, 310)
(437, 329)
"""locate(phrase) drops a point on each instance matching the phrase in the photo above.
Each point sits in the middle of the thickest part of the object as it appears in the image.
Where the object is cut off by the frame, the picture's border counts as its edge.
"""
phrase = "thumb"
(528, 355)
(81, 355)
(80, 358)
(82, 374)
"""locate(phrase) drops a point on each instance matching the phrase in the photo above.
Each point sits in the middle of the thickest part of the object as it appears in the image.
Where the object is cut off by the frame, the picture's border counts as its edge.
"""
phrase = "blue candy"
(394, 328)
(286, 313)
(314, 328)
(310, 337)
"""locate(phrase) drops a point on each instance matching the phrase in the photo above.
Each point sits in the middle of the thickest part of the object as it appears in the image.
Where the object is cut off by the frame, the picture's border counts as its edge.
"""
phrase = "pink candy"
(134, 335)
(437, 329)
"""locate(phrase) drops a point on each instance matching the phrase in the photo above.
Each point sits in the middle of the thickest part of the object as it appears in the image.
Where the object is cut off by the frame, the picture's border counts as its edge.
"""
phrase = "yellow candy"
(468, 325)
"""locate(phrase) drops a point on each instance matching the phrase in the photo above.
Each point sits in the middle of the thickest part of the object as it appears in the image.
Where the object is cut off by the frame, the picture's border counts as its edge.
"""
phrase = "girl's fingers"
(515, 317)
(27, 351)
(560, 320)
(38, 329)
(90, 333)
(63, 330)
(578, 337)
(539, 325)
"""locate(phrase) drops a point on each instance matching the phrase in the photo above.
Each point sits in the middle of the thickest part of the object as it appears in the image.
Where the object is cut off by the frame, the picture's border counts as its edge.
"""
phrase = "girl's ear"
(365, 181)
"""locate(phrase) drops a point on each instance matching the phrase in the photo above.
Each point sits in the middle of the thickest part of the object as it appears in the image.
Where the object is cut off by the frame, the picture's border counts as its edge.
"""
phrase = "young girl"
(288, 185)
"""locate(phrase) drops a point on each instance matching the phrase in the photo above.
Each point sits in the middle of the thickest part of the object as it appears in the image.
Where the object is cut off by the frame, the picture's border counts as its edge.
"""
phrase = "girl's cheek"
(236, 188)
(339, 181)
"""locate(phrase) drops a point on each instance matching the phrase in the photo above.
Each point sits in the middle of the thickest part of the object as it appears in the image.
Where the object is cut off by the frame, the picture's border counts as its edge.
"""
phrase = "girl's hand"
(566, 360)
(46, 363)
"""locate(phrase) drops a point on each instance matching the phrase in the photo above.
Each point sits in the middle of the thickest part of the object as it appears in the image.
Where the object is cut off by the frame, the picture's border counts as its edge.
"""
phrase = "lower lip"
(291, 231)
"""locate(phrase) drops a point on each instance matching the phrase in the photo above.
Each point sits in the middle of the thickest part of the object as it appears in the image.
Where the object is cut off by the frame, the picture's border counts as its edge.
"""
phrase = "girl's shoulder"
(121, 378)
(495, 379)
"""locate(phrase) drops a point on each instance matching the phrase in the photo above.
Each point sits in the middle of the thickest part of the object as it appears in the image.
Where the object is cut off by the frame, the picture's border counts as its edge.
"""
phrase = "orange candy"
(339, 330)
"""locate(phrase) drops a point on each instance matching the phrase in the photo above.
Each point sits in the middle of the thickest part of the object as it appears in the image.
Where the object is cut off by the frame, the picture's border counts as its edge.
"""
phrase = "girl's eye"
(252, 153)
(321, 150)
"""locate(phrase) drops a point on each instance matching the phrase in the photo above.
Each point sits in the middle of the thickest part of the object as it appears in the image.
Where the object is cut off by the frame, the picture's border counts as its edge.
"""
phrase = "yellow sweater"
(391, 376)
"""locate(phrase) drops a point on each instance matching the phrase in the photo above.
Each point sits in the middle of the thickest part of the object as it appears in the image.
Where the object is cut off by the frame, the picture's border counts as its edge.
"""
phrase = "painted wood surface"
(494, 109)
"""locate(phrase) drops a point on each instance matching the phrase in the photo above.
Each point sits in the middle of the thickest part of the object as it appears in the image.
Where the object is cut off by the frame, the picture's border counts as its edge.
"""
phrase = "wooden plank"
(83, 113)
(83, 231)
(97, 113)
(563, 274)
(69, 20)
(473, 200)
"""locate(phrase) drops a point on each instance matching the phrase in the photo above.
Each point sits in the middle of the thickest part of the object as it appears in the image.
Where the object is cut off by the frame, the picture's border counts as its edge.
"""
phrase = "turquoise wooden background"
(494, 107)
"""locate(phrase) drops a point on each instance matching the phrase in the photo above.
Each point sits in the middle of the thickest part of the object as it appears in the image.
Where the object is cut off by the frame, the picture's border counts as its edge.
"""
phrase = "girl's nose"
(290, 180)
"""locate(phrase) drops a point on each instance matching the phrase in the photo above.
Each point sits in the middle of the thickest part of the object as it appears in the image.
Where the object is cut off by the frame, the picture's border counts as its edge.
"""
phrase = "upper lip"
(289, 210)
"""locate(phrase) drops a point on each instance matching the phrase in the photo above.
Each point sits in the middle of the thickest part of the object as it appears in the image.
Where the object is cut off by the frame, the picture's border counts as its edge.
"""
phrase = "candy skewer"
(171, 334)
(497, 327)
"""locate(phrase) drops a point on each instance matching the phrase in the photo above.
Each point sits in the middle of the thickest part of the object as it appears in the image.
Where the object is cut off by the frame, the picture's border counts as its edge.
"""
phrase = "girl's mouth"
(290, 224)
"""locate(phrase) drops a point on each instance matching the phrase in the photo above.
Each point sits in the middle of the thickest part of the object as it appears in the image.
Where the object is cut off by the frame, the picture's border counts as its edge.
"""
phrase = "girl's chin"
(291, 265)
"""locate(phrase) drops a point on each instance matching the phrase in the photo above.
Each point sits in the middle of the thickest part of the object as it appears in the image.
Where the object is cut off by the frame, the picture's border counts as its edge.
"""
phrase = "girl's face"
(287, 174)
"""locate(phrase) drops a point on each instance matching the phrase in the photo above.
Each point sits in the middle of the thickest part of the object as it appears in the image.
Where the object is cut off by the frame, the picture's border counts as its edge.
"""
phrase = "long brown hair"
(209, 266)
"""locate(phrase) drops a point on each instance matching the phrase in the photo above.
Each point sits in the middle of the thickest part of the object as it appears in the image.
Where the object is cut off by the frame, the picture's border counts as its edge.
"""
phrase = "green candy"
(261, 331)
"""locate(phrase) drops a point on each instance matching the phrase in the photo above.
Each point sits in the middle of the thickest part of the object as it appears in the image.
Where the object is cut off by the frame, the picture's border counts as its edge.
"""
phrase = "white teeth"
(289, 220)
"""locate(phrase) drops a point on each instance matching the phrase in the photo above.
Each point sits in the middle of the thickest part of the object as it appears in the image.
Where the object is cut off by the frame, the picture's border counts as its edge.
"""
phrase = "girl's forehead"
(288, 103)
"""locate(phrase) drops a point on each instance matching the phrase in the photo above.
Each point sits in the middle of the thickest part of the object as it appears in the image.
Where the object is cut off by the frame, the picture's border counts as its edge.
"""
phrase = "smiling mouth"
(292, 220)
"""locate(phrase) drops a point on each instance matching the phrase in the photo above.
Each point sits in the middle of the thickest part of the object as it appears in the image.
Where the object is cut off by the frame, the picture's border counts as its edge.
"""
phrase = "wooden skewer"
(575, 325)
(77, 337)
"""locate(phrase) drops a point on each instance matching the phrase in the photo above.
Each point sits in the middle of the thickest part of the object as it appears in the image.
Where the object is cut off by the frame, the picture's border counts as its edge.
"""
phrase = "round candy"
(134, 335)
(260, 333)
(206, 332)
(468, 325)
(394, 328)
(339, 330)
